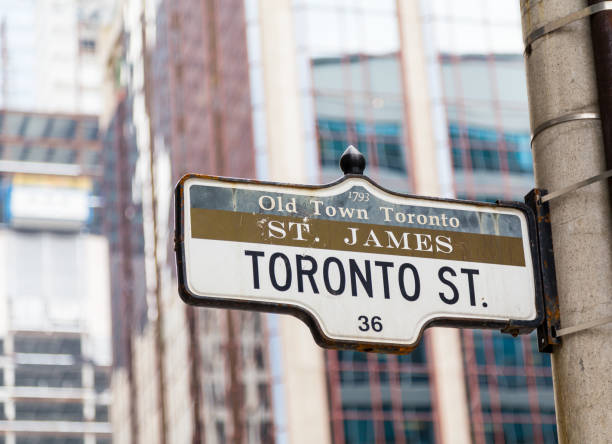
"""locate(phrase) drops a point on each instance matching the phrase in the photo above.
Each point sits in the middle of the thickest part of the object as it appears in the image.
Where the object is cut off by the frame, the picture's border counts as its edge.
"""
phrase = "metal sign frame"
(513, 327)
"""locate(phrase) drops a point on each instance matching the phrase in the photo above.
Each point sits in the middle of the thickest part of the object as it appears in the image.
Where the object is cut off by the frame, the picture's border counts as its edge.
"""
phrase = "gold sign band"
(357, 237)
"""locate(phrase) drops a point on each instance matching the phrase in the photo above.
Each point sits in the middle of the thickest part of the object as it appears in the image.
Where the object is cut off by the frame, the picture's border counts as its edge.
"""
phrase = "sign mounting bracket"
(547, 331)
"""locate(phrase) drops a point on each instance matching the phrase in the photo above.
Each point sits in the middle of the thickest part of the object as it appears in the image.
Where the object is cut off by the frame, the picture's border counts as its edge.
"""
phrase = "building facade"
(54, 282)
(49, 57)
(180, 374)
(433, 94)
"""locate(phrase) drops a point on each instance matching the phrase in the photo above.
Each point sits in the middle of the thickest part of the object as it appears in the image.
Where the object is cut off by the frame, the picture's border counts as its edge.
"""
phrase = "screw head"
(352, 161)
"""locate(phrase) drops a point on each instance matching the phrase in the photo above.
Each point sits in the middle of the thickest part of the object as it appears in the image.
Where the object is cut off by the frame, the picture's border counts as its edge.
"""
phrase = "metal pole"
(561, 83)
(601, 38)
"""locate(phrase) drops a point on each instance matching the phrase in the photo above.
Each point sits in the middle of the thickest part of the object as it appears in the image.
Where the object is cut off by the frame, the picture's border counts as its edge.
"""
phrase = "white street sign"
(364, 267)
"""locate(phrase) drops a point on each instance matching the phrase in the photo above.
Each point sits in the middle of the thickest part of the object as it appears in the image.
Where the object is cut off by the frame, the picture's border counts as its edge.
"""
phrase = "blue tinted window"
(383, 138)
(484, 149)
(359, 431)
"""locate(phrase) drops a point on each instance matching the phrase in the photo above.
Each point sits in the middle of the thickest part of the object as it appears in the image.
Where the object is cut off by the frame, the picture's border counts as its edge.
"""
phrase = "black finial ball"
(352, 161)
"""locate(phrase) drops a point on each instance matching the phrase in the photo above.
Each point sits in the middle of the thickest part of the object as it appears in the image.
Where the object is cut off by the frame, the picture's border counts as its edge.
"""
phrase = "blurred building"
(54, 279)
(433, 94)
(55, 347)
(180, 374)
(48, 55)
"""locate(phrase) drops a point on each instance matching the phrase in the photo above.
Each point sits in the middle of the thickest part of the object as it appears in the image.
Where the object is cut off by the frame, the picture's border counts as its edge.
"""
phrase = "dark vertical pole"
(601, 37)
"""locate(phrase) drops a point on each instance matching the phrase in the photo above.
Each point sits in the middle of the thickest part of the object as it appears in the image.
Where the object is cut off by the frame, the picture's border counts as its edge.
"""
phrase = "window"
(220, 429)
(48, 376)
(48, 439)
(62, 128)
(383, 377)
(508, 350)
(457, 157)
(13, 124)
(384, 138)
(512, 381)
(48, 345)
(35, 127)
(479, 348)
(49, 411)
(518, 433)
(91, 158)
(549, 432)
(102, 413)
(62, 155)
(87, 45)
(484, 150)
(414, 378)
(520, 162)
(101, 380)
(485, 159)
(37, 154)
(259, 357)
(419, 431)
(354, 377)
(265, 432)
(264, 396)
(359, 431)
(90, 129)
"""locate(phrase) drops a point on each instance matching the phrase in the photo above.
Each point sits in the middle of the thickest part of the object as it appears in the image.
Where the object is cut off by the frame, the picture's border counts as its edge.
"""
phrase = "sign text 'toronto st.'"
(364, 267)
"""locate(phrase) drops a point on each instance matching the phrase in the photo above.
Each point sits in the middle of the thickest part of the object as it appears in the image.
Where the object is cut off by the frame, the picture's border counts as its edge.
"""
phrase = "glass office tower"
(354, 84)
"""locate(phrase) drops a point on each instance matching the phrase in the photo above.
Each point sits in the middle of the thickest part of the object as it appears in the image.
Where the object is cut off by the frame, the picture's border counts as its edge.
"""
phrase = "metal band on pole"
(576, 186)
(559, 23)
(563, 119)
(585, 326)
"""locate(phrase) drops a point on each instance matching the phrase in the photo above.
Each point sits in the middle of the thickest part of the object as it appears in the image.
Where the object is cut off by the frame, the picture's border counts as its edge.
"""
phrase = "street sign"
(364, 267)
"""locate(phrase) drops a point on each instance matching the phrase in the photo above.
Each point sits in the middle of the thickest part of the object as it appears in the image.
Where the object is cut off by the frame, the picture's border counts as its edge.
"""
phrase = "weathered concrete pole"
(561, 82)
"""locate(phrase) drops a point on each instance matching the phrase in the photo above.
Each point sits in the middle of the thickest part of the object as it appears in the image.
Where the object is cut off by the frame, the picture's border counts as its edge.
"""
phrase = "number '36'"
(375, 323)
